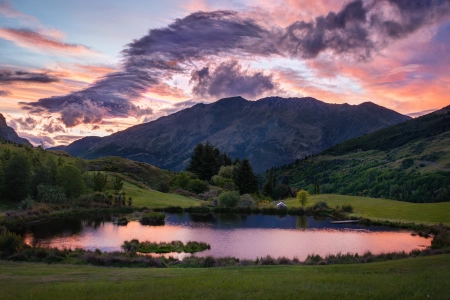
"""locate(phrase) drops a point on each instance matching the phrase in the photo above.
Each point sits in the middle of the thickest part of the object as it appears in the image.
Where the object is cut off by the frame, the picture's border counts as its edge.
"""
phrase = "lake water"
(241, 236)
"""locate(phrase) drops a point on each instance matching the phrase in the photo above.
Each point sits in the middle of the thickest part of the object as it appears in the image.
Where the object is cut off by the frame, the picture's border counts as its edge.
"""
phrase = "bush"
(153, 218)
(229, 199)
(51, 194)
(26, 203)
(197, 186)
(321, 205)
(164, 187)
(10, 243)
(347, 208)
(247, 201)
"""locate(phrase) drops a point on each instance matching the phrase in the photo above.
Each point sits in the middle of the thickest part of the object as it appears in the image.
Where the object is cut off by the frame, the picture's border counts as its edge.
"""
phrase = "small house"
(281, 205)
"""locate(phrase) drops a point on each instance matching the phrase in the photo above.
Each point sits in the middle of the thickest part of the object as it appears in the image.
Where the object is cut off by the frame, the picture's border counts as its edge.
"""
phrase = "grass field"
(415, 278)
(383, 209)
(154, 199)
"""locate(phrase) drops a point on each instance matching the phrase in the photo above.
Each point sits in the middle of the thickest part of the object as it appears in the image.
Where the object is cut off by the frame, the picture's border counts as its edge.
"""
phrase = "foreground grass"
(415, 278)
(383, 209)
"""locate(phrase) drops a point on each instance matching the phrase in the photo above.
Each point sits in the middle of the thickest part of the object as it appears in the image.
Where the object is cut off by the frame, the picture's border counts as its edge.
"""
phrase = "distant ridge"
(80, 146)
(270, 132)
(9, 134)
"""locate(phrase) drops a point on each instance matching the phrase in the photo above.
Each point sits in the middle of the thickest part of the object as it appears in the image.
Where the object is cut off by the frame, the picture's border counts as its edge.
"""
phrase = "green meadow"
(414, 278)
(383, 209)
(154, 199)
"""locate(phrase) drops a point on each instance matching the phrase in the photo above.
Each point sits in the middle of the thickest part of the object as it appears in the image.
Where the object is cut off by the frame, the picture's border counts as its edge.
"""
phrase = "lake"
(241, 236)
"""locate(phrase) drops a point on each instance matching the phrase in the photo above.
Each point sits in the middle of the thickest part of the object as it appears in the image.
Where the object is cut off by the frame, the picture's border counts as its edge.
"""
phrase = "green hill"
(140, 180)
(409, 161)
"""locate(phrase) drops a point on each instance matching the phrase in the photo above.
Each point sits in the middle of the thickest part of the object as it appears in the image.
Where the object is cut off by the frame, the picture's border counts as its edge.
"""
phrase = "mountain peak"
(270, 132)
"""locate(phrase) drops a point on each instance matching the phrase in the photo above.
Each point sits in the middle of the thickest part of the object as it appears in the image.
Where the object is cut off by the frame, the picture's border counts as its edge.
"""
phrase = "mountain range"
(270, 132)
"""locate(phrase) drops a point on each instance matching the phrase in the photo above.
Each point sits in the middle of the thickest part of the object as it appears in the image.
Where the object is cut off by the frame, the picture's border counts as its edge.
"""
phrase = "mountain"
(8, 133)
(409, 161)
(78, 147)
(269, 132)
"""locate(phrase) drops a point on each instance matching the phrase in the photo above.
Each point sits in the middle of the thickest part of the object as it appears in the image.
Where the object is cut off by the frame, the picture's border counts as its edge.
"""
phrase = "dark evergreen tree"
(245, 179)
(269, 185)
(206, 161)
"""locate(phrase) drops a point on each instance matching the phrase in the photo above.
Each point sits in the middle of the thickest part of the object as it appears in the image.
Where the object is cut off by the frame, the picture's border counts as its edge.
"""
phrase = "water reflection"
(242, 236)
(302, 222)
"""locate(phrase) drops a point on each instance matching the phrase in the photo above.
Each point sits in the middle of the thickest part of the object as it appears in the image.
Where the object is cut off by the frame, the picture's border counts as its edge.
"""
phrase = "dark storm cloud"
(229, 78)
(357, 30)
(8, 76)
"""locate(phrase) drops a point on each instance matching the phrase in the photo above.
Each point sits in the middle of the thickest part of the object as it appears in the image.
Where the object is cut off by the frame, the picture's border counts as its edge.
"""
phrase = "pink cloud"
(33, 40)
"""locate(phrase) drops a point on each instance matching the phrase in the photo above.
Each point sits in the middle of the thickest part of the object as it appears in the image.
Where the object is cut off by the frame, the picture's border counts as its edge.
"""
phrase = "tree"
(118, 184)
(270, 184)
(17, 176)
(303, 197)
(244, 178)
(206, 161)
(181, 180)
(99, 181)
(69, 178)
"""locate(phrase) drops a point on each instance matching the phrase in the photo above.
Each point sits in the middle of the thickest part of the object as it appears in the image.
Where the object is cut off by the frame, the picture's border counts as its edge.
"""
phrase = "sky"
(70, 69)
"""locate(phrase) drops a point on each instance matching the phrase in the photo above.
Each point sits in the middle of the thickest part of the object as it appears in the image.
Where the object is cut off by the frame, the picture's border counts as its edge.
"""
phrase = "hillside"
(8, 134)
(78, 147)
(408, 162)
(270, 132)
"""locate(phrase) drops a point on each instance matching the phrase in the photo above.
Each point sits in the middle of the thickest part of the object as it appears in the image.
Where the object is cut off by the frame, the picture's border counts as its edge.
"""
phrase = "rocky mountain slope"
(9, 134)
(270, 132)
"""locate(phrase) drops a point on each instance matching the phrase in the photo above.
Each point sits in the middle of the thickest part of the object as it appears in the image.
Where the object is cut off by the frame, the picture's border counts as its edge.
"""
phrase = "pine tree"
(206, 161)
(245, 179)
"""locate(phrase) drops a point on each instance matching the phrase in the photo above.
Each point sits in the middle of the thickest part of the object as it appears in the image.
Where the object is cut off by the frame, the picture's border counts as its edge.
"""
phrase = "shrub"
(10, 243)
(247, 201)
(152, 218)
(321, 205)
(211, 194)
(197, 186)
(26, 203)
(51, 194)
(229, 199)
(347, 208)
(164, 187)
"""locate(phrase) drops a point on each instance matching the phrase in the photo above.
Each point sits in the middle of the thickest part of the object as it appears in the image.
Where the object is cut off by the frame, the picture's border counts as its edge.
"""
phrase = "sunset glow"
(69, 70)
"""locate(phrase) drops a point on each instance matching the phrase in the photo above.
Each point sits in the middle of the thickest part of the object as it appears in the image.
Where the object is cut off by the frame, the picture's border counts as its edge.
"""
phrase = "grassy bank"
(382, 209)
(403, 279)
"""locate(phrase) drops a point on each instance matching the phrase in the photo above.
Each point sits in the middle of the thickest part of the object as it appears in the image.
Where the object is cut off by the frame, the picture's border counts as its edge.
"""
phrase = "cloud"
(53, 127)
(37, 139)
(8, 11)
(230, 79)
(8, 76)
(26, 123)
(4, 93)
(95, 127)
(67, 138)
(185, 47)
(31, 39)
